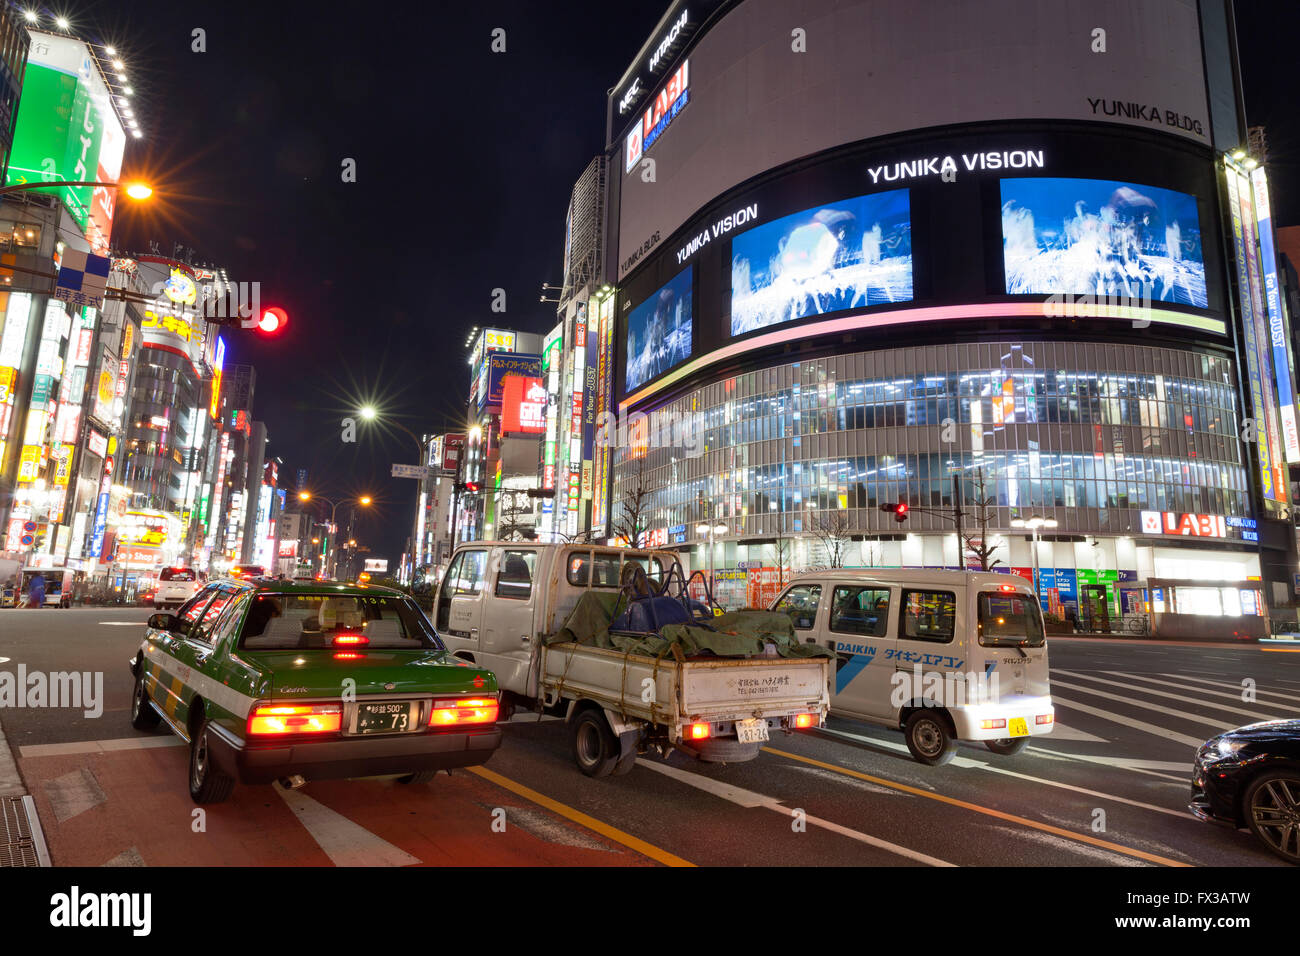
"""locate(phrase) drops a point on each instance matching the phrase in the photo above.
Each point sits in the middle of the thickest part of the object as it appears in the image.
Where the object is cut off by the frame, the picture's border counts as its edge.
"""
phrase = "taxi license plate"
(1017, 727)
(752, 731)
(390, 717)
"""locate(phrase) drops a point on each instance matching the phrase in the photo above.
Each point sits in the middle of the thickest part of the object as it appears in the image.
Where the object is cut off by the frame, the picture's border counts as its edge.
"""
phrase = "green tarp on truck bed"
(743, 633)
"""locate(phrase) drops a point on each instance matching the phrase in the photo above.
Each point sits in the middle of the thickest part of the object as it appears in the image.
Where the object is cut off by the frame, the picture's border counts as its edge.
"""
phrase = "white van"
(943, 655)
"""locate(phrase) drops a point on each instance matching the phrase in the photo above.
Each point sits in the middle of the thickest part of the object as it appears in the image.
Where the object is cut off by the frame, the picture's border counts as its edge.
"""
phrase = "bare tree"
(832, 530)
(634, 512)
(979, 545)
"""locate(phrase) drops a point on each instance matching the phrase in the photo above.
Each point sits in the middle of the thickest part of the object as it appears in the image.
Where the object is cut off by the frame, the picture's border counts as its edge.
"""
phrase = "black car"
(1250, 777)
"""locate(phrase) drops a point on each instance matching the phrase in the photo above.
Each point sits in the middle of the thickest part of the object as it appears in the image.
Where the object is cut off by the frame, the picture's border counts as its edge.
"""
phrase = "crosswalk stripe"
(1201, 690)
(1180, 714)
(1128, 721)
(1161, 693)
(346, 843)
(1229, 685)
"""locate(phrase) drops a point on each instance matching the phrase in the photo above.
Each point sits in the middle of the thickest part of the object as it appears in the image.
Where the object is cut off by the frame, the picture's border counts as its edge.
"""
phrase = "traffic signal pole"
(956, 515)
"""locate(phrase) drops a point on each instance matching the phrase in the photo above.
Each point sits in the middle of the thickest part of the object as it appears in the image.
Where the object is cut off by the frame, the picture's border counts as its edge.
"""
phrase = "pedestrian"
(36, 590)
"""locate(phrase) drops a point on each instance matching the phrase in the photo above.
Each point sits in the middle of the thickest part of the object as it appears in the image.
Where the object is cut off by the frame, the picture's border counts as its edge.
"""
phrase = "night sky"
(465, 161)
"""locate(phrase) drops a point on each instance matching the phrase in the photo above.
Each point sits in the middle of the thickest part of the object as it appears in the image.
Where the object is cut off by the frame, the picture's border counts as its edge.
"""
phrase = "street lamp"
(363, 500)
(1033, 523)
(712, 530)
(136, 190)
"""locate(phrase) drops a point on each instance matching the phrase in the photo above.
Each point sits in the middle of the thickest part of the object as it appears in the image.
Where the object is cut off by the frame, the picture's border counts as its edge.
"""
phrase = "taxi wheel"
(420, 776)
(595, 747)
(928, 738)
(143, 716)
(207, 783)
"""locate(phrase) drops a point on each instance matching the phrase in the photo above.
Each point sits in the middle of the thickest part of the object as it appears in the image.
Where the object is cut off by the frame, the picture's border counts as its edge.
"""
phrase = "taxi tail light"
(1006, 588)
(993, 723)
(1045, 718)
(804, 721)
(697, 731)
(350, 640)
(276, 719)
(462, 711)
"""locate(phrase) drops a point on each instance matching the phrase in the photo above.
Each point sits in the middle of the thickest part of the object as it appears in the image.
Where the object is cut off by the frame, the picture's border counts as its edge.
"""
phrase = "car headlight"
(1228, 747)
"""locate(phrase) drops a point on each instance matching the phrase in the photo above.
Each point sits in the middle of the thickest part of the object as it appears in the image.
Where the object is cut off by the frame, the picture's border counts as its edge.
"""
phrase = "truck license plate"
(752, 731)
(1017, 727)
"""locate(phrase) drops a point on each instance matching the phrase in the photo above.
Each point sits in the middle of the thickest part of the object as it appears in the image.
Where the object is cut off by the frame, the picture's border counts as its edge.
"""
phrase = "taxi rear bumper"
(353, 756)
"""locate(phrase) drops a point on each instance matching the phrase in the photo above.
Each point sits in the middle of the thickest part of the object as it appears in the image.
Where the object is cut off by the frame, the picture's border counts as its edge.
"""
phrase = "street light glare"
(365, 499)
(368, 412)
(139, 190)
(305, 495)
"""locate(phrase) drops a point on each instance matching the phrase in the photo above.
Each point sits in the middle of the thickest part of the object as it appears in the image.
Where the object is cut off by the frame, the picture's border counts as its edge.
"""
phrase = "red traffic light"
(273, 319)
(899, 511)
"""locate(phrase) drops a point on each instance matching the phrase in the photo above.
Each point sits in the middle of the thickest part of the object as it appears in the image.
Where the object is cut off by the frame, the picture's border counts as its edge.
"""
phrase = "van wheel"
(1007, 745)
(595, 747)
(928, 737)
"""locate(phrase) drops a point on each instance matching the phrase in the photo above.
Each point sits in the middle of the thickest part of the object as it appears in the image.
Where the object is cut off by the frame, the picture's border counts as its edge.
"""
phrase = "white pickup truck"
(500, 601)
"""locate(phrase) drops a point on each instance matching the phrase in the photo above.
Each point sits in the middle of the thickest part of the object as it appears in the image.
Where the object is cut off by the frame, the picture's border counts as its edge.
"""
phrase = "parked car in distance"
(175, 587)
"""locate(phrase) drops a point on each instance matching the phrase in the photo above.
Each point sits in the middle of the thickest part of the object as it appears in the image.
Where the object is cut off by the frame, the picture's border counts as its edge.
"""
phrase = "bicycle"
(1138, 624)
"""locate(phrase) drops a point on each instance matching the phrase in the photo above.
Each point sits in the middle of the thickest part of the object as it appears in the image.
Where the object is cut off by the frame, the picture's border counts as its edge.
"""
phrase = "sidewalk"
(1286, 643)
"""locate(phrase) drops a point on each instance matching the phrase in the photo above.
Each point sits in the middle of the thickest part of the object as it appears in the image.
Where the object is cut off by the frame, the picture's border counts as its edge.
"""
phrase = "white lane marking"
(1180, 714)
(972, 763)
(123, 623)
(1162, 693)
(1201, 690)
(1054, 842)
(1229, 685)
(99, 746)
(1129, 722)
(346, 843)
(748, 798)
(1155, 768)
(1062, 731)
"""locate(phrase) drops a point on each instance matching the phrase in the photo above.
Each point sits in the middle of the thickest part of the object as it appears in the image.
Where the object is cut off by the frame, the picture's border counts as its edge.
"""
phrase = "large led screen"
(659, 331)
(844, 255)
(1101, 237)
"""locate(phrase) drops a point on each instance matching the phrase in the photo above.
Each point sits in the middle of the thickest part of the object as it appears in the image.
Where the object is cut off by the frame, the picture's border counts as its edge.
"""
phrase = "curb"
(21, 835)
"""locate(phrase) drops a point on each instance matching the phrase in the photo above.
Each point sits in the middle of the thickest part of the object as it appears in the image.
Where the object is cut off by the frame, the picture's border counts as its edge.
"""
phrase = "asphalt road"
(1108, 787)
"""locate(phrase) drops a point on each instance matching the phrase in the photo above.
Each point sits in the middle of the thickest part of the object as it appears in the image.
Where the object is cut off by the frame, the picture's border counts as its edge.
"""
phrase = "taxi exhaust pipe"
(294, 782)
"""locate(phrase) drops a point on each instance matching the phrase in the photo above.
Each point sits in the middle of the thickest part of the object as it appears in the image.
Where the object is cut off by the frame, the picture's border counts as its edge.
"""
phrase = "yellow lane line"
(988, 811)
(1280, 650)
(577, 816)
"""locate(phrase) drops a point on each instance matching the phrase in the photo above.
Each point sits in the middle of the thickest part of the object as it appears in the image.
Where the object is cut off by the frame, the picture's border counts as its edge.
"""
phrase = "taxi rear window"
(281, 622)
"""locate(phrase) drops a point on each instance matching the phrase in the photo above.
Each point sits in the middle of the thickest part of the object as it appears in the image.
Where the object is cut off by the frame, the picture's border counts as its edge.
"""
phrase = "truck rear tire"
(595, 748)
(929, 738)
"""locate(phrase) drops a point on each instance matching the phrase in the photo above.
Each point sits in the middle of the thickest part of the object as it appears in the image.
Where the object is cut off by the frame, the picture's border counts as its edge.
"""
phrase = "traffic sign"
(29, 525)
(410, 471)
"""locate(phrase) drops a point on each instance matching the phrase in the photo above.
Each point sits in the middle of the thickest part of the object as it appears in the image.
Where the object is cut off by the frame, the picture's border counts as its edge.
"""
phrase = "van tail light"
(350, 640)
(995, 723)
(804, 721)
(276, 719)
(697, 731)
(348, 655)
(462, 711)
(1045, 718)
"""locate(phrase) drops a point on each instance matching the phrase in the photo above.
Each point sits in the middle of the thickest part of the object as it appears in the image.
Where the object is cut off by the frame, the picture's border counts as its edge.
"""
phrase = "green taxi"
(274, 680)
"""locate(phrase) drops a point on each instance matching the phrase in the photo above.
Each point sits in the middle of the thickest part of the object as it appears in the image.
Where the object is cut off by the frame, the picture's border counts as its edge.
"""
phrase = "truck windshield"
(1010, 620)
(281, 622)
